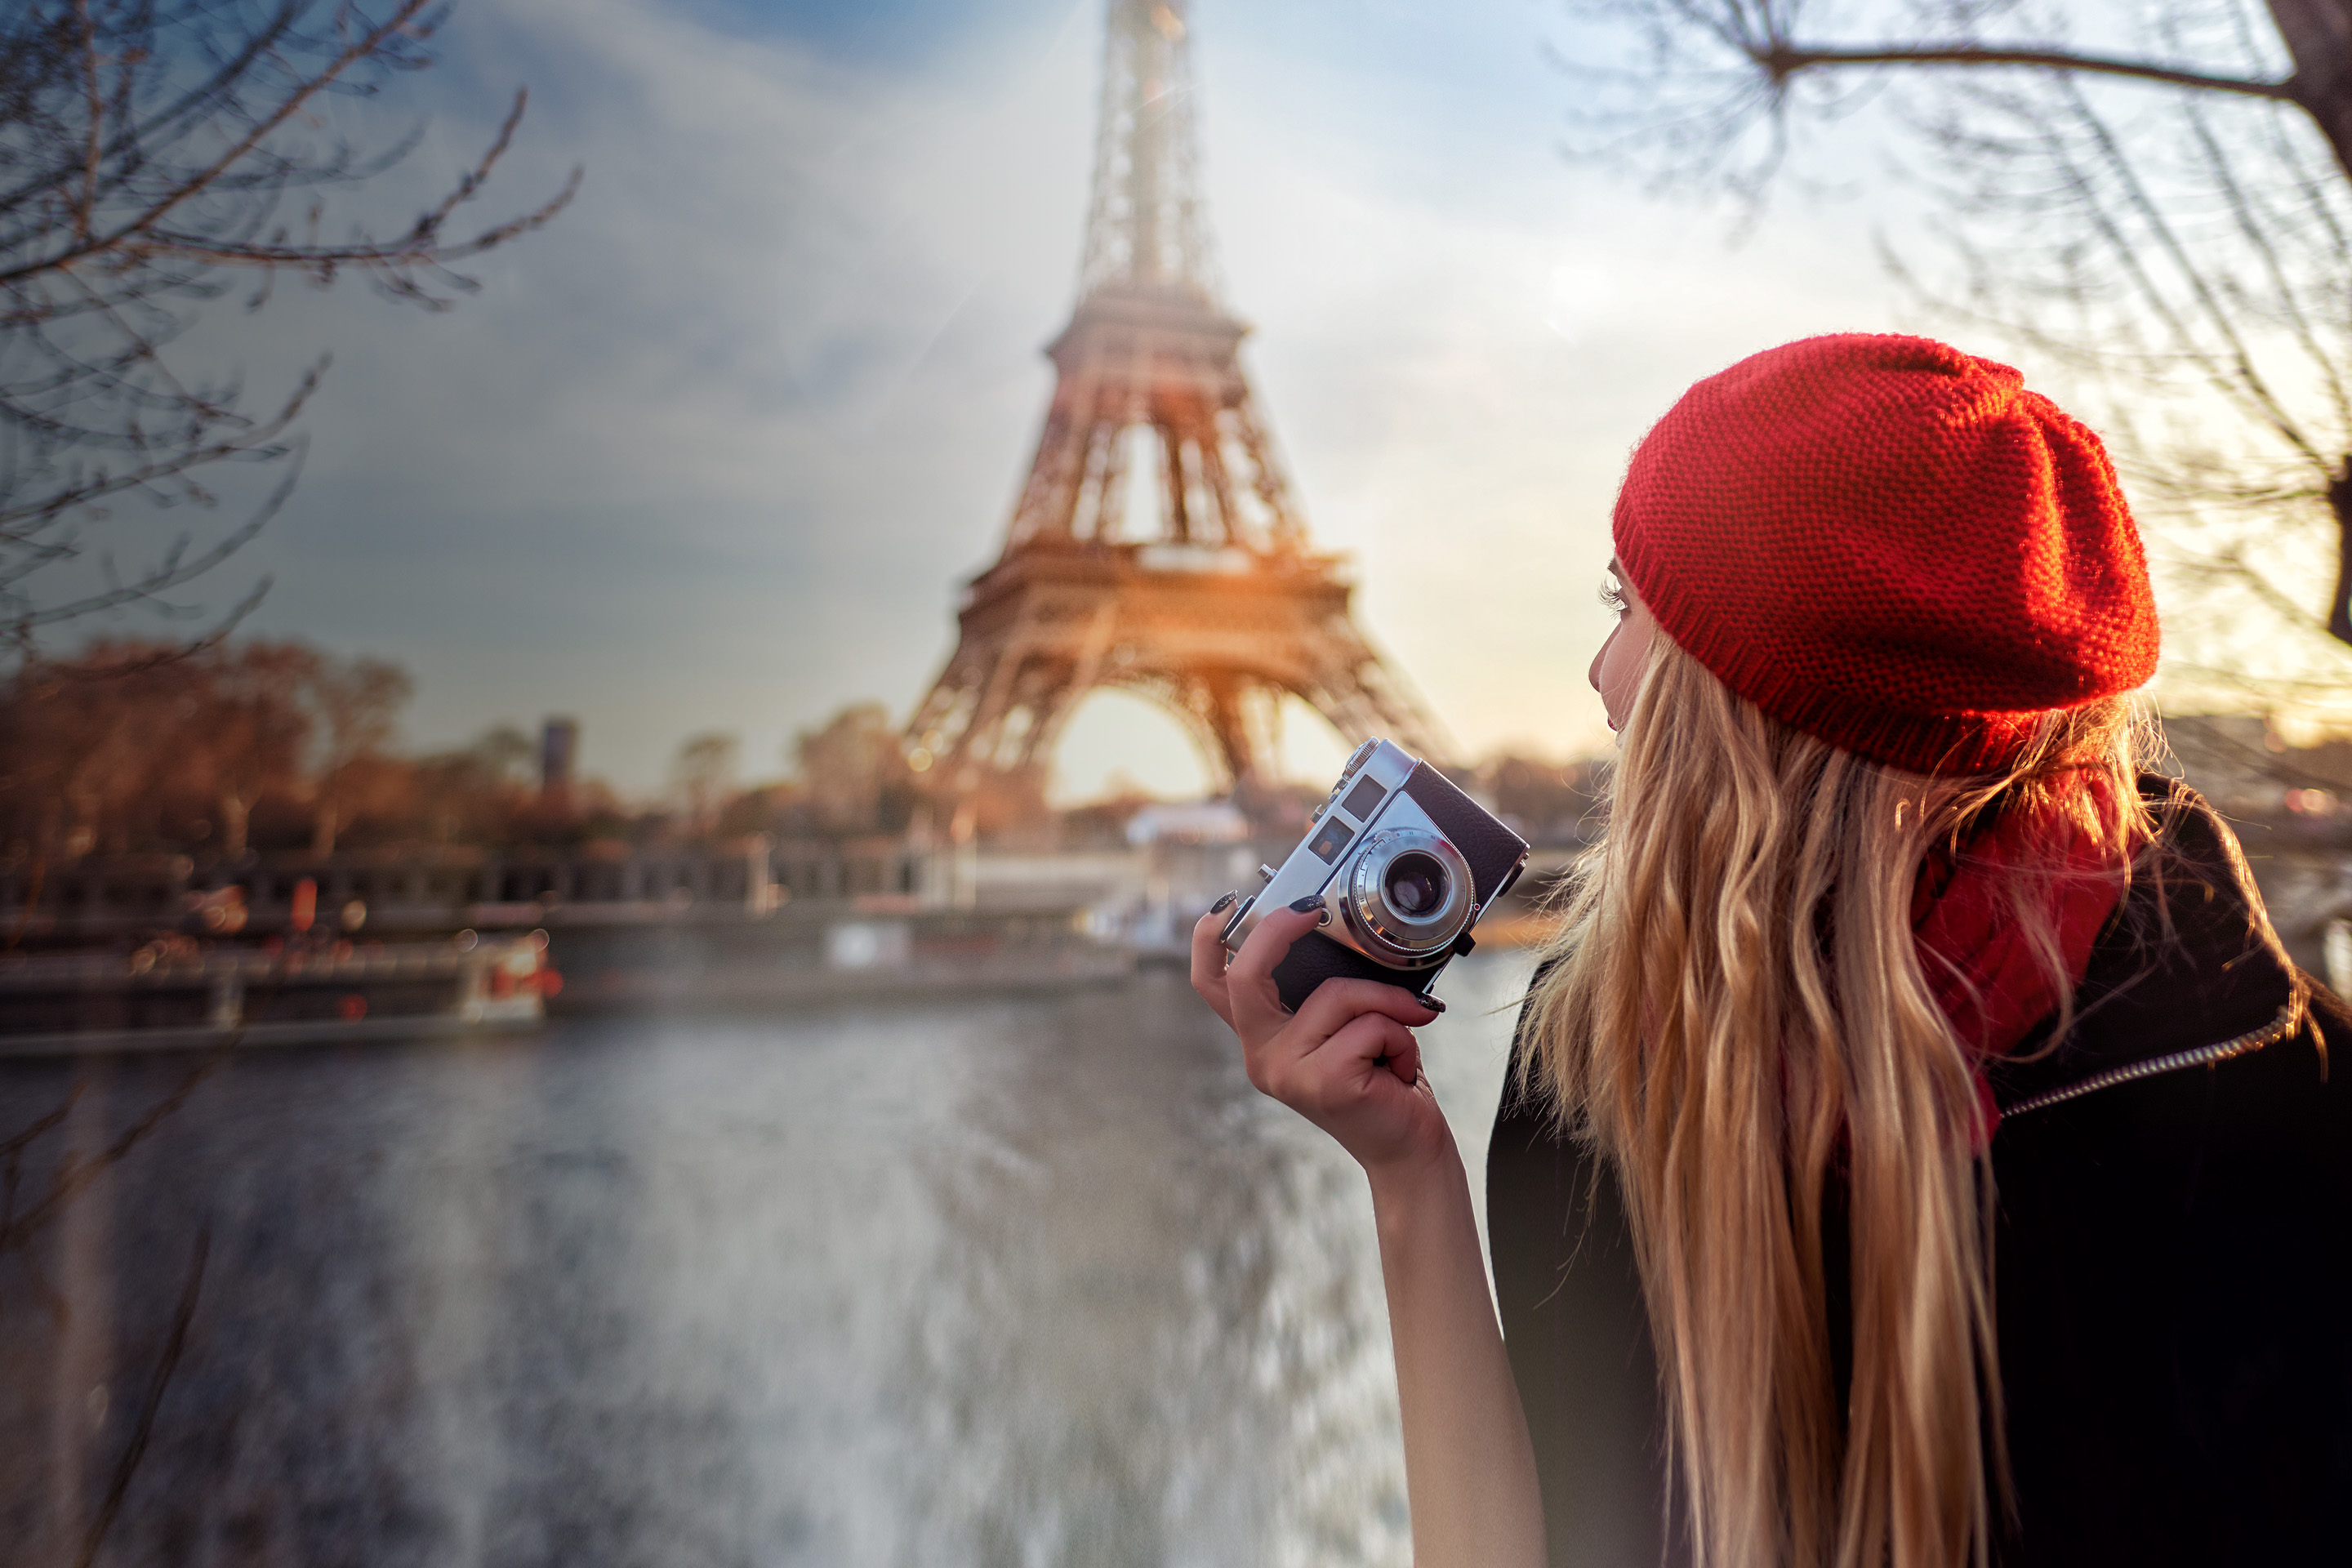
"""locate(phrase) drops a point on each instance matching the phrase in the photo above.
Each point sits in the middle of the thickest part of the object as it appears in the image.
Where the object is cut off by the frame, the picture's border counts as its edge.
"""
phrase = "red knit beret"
(1891, 545)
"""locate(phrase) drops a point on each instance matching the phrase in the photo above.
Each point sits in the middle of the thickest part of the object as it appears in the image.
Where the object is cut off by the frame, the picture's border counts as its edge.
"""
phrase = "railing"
(445, 889)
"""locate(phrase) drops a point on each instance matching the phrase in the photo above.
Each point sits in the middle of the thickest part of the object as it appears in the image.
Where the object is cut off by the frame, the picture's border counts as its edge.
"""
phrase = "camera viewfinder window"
(1364, 800)
(1334, 837)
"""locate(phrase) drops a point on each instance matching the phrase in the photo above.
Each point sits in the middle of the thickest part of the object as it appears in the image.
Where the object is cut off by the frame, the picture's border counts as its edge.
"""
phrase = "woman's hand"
(1346, 1060)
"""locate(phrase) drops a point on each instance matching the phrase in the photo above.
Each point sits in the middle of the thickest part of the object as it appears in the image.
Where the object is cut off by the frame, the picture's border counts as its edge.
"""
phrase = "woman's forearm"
(1470, 1472)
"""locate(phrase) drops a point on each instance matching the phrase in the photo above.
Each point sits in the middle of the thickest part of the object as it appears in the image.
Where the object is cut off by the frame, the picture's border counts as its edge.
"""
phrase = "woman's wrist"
(1407, 1179)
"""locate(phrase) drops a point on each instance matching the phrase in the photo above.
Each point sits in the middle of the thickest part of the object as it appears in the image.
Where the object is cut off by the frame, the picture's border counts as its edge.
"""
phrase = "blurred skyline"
(716, 450)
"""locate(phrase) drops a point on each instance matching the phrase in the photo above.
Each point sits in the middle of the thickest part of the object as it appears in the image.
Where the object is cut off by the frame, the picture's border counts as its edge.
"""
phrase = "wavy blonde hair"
(1736, 1014)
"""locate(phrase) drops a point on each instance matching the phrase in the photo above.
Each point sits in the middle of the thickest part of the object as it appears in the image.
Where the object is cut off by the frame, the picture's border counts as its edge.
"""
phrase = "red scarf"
(1978, 965)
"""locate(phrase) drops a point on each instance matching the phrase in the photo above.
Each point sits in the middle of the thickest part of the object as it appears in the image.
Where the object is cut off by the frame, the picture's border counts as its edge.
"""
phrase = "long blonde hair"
(1737, 1016)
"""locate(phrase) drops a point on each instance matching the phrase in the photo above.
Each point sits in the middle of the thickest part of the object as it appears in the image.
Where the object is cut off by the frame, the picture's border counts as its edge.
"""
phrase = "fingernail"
(1222, 905)
(1434, 1004)
(1306, 906)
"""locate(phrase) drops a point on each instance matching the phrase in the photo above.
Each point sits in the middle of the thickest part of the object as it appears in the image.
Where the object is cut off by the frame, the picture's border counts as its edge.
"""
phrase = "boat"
(181, 995)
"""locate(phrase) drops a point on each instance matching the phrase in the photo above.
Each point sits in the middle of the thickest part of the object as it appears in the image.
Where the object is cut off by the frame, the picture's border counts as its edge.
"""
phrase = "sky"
(716, 450)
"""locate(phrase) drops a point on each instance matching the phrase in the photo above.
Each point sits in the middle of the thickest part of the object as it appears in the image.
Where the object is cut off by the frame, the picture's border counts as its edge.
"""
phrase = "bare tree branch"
(154, 147)
(1782, 60)
(166, 1365)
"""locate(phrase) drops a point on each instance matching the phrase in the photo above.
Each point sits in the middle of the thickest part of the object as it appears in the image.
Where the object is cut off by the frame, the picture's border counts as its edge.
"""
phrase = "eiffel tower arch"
(1156, 546)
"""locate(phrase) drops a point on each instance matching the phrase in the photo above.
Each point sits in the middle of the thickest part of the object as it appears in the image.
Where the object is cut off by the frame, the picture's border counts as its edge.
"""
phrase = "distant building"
(1193, 822)
(559, 744)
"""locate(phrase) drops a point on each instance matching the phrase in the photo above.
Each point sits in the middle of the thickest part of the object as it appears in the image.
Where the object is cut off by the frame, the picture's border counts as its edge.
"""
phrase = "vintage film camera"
(1404, 864)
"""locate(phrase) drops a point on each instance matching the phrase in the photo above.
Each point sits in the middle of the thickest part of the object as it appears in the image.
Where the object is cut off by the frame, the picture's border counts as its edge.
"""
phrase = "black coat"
(2172, 1265)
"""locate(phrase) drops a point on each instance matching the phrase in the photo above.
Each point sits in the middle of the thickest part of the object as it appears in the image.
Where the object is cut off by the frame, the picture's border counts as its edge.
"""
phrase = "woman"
(1915, 1099)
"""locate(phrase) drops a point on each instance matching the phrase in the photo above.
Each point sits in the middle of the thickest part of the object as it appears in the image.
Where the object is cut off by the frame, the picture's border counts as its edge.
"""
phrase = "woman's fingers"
(1335, 1001)
(1359, 1087)
(1209, 962)
(1377, 1039)
(1249, 979)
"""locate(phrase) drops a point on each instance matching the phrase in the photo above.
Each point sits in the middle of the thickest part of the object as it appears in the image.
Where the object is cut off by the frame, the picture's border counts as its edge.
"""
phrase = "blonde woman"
(1919, 1149)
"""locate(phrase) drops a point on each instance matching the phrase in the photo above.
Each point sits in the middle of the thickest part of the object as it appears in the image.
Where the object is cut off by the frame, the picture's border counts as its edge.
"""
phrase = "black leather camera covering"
(1315, 957)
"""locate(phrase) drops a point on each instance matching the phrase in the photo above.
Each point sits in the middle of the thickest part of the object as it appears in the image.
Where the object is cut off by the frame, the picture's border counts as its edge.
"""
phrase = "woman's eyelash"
(1612, 598)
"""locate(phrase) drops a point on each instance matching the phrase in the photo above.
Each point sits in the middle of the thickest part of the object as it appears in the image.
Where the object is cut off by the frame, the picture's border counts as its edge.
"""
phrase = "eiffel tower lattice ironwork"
(1156, 546)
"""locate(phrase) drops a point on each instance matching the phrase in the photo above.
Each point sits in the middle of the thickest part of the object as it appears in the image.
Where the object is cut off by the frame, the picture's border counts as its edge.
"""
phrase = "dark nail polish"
(1222, 905)
(1434, 1004)
(1306, 906)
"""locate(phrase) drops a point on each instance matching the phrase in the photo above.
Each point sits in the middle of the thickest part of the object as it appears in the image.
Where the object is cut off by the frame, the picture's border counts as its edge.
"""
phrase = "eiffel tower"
(1156, 546)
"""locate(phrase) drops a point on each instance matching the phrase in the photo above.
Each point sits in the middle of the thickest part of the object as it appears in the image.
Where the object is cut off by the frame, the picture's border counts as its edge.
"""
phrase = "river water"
(992, 1281)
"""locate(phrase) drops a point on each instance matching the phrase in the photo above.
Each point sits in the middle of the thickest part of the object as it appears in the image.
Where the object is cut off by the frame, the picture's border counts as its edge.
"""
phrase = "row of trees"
(233, 747)
(849, 776)
(143, 746)
(278, 745)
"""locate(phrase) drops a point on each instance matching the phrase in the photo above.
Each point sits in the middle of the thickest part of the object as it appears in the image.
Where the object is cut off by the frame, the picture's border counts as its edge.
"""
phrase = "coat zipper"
(2254, 1040)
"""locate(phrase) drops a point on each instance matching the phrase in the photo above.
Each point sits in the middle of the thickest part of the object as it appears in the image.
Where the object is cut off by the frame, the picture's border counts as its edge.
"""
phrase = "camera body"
(1404, 863)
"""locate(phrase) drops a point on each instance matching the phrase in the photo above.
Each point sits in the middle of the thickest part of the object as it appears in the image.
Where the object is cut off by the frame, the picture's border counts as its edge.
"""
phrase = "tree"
(83, 775)
(153, 153)
(854, 771)
(703, 773)
(353, 703)
(506, 756)
(1737, 75)
(2167, 221)
(251, 731)
(473, 795)
(143, 745)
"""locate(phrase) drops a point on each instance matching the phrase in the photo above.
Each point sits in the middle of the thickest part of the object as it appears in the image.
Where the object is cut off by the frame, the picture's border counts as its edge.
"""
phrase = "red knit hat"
(1891, 545)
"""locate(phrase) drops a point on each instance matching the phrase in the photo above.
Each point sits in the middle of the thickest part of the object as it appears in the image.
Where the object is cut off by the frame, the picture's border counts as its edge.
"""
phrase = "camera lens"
(1409, 894)
(1415, 885)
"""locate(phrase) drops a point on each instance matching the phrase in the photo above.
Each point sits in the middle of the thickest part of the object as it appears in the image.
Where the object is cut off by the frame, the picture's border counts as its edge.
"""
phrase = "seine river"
(999, 1282)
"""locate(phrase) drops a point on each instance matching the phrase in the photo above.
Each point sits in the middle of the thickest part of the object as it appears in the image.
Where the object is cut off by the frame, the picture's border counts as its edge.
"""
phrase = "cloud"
(714, 451)
(703, 453)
